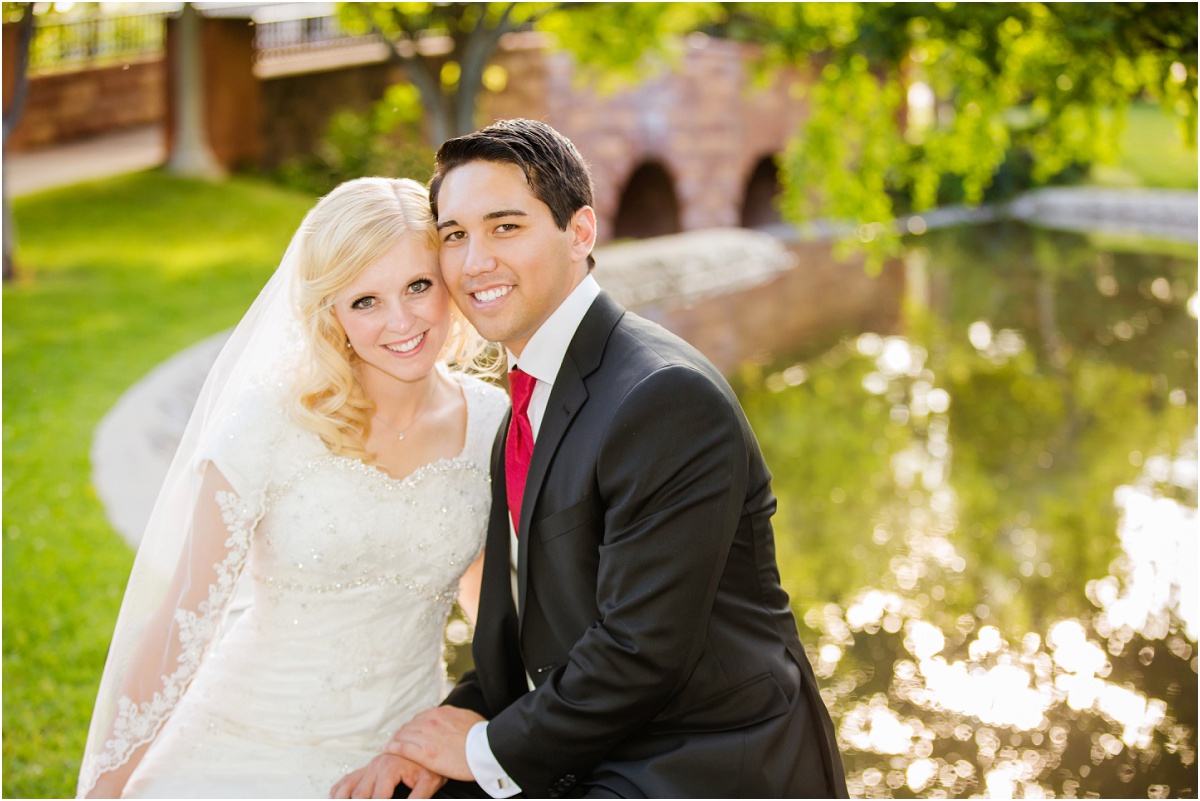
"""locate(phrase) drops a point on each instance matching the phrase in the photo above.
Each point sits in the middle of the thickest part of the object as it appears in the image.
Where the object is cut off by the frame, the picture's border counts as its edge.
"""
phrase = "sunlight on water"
(1158, 536)
(986, 682)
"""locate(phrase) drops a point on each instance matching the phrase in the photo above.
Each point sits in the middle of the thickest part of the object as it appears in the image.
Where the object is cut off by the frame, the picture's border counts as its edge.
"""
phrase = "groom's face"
(506, 263)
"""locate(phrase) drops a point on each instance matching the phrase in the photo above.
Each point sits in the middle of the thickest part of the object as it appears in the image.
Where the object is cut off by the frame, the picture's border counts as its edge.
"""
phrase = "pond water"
(987, 523)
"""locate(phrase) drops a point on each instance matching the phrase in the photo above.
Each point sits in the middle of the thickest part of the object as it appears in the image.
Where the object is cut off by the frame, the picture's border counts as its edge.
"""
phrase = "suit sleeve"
(672, 472)
(468, 695)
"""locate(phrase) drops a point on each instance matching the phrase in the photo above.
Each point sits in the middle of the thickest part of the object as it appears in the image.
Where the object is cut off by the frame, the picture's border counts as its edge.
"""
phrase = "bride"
(327, 503)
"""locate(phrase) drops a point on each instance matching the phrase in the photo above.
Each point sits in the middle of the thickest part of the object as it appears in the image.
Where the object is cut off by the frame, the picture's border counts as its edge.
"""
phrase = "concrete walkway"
(1158, 213)
(129, 150)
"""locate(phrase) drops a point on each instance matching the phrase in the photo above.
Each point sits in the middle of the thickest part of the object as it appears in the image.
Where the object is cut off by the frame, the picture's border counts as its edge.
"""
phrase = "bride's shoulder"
(481, 393)
(486, 402)
(245, 440)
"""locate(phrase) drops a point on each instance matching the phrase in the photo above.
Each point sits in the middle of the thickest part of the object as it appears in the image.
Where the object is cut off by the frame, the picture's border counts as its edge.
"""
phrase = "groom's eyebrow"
(491, 215)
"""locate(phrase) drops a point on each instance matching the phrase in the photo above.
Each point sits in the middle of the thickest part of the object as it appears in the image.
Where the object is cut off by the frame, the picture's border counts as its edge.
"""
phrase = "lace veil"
(185, 577)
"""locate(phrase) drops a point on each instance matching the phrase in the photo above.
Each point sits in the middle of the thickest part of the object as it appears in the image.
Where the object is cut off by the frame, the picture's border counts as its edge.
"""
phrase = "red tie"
(518, 449)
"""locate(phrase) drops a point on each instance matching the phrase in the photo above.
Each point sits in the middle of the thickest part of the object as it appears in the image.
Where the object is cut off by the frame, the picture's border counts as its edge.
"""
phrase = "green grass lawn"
(114, 277)
(1153, 153)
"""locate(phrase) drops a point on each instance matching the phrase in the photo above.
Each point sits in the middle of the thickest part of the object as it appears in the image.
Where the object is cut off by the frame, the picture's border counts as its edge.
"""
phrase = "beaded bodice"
(417, 533)
(340, 541)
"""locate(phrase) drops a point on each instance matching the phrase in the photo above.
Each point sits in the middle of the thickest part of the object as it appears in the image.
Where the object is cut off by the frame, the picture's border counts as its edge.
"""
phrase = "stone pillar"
(232, 93)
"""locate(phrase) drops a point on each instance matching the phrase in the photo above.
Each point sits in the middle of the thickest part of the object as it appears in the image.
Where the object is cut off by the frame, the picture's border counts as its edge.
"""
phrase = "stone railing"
(689, 266)
(1157, 213)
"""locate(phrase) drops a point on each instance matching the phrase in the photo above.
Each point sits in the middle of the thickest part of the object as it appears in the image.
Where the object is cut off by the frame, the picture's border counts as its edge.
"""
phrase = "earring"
(347, 343)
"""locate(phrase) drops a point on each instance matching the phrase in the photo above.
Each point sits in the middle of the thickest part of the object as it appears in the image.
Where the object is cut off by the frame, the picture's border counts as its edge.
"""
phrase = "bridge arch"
(649, 205)
(760, 203)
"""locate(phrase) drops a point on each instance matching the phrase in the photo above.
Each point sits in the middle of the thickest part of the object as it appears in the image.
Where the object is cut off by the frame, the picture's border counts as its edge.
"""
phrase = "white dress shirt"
(542, 357)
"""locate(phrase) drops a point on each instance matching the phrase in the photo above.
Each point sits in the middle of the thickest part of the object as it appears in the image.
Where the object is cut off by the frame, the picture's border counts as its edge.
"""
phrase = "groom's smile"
(488, 295)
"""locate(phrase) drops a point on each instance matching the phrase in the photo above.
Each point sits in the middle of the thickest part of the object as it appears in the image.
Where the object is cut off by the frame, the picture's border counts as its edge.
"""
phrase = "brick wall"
(702, 122)
(72, 105)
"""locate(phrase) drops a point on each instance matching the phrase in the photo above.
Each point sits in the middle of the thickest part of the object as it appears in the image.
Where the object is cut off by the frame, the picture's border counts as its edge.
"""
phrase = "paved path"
(129, 150)
(1160, 213)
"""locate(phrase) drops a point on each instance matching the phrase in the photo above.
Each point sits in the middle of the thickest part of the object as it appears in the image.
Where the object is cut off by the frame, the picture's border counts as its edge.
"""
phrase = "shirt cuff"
(484, 767)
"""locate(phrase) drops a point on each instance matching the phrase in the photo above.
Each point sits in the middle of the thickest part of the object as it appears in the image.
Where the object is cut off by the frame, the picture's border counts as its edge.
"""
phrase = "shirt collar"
(547, 348)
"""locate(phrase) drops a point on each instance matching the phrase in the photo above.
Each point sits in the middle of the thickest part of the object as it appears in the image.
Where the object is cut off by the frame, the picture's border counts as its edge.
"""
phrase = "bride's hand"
(381, 775)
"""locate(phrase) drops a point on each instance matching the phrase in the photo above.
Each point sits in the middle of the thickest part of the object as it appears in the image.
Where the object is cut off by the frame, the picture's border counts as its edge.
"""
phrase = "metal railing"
(95, 42)
(278, 39)
(281, 32)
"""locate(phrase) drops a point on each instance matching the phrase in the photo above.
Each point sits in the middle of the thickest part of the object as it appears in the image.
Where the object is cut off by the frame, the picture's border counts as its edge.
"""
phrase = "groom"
(633, 637)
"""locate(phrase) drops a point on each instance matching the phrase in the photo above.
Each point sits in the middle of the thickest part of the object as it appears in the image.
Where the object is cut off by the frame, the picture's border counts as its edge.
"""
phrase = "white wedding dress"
(352, 574)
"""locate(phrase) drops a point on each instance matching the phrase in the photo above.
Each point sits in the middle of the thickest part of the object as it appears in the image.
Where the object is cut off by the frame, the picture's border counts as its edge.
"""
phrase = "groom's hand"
(381, 775)
(437, 738)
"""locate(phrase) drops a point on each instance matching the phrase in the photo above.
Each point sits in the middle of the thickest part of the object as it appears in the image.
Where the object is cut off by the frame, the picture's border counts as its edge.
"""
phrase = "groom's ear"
(583, 233)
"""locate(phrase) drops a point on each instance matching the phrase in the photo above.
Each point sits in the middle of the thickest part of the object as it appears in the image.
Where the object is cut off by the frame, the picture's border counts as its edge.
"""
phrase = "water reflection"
(1000, 507)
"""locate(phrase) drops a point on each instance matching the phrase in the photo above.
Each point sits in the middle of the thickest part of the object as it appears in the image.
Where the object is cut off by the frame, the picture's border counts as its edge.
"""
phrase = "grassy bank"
(114, 277)
(1152, 153)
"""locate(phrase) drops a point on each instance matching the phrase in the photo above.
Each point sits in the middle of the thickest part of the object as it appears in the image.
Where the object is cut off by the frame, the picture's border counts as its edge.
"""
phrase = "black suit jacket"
(651, 618)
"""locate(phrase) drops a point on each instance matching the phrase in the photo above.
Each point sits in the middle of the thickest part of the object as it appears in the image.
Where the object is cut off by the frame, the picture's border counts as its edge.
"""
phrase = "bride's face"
(397, 313)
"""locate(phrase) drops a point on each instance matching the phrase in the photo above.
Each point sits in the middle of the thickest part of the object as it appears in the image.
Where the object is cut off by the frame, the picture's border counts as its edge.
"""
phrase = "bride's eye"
(420, 285)
(365, 302)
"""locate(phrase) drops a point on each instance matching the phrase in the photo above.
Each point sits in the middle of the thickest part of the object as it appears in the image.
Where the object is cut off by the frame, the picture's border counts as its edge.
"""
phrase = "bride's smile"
(396, 314)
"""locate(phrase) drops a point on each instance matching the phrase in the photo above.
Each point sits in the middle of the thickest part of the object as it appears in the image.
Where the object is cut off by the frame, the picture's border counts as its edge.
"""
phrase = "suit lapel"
(566, 399)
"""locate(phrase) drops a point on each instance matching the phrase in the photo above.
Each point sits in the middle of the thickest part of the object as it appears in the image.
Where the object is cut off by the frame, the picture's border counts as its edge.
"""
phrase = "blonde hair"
(348, 230)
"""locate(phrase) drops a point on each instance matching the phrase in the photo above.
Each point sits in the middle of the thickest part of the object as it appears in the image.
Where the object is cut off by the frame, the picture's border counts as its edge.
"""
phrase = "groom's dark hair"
(557, 175)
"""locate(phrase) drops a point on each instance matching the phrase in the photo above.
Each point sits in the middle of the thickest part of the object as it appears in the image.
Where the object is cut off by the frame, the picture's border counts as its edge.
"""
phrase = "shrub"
(386, 140)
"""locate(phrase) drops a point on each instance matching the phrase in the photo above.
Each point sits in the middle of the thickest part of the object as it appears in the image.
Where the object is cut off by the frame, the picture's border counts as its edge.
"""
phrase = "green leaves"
(918, 104)
(387, 139)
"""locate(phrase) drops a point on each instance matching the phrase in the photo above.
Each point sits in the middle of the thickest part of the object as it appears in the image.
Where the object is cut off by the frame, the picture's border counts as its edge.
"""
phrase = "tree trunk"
(474, 53)
(428, 84)
(12, 116)
(190, 153)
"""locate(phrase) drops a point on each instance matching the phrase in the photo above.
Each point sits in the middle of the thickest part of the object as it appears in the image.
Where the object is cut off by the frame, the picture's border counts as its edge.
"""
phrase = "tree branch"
(537, 17)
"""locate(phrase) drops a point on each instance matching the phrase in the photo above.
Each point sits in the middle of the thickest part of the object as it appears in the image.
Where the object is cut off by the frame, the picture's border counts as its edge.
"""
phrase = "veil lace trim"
(136, 724)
